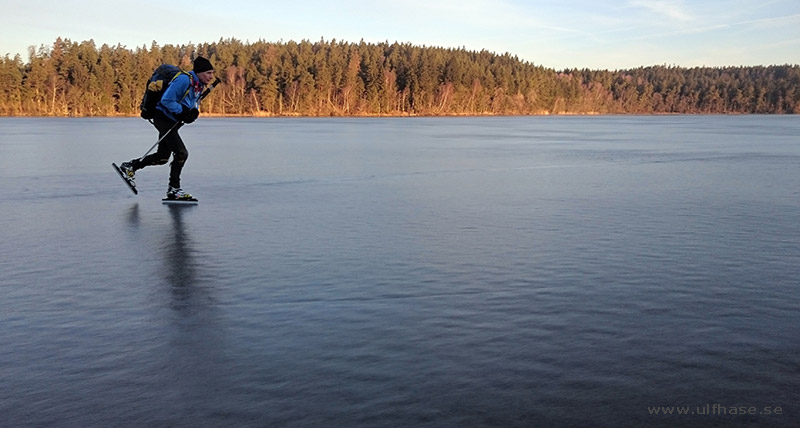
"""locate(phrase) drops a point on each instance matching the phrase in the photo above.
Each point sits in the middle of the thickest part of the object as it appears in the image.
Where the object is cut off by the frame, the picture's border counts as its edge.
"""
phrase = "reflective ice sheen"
(531, 271)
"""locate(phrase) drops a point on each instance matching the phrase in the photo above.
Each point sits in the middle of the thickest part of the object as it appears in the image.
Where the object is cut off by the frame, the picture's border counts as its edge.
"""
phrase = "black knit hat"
(201, 64)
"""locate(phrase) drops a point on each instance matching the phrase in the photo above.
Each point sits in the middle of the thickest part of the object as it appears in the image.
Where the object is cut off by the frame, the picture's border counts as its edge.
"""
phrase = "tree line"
(336, 78)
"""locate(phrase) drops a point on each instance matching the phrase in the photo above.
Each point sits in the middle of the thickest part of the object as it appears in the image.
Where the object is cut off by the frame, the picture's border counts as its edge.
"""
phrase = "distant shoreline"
(410, 115)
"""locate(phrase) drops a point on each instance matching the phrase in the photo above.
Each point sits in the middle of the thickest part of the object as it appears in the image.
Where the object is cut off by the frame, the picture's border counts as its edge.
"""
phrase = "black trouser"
(171, 144)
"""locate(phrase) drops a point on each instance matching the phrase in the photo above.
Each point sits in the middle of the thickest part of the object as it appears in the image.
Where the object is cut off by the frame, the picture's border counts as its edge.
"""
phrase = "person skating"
(178, 106)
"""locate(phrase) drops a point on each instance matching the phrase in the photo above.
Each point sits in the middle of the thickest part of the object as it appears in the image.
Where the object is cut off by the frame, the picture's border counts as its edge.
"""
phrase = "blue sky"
(596, 34)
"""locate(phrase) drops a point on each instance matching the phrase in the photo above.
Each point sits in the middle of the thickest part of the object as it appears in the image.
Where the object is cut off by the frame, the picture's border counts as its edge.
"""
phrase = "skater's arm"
(175, 93)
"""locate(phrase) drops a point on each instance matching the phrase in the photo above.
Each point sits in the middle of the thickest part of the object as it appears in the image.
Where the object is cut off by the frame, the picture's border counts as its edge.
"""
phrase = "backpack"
(156, 86)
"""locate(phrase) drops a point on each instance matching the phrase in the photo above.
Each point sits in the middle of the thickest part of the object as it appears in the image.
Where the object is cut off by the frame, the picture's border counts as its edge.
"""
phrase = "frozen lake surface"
(532, 271)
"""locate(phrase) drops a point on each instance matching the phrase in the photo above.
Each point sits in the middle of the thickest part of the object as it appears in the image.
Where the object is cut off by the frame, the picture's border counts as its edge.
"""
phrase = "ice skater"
(178, 106)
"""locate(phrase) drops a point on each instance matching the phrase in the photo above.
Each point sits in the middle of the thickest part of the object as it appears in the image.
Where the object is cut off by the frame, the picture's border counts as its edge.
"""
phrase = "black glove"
(188, 115)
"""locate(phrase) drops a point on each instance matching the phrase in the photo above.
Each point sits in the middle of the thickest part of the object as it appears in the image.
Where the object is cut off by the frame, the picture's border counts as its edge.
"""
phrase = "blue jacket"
(185, 91)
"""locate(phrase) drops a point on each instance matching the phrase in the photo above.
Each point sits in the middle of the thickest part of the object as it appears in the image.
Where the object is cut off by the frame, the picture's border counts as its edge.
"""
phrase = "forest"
(337, 78)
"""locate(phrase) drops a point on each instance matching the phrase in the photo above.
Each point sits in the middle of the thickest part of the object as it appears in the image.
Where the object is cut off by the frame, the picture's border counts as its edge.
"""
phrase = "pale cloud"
(670, 9)
(771, 22)
(478, 14)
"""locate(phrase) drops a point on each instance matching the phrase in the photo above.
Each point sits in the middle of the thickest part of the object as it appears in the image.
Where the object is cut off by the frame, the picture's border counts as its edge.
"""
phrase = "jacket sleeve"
(175, 93)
